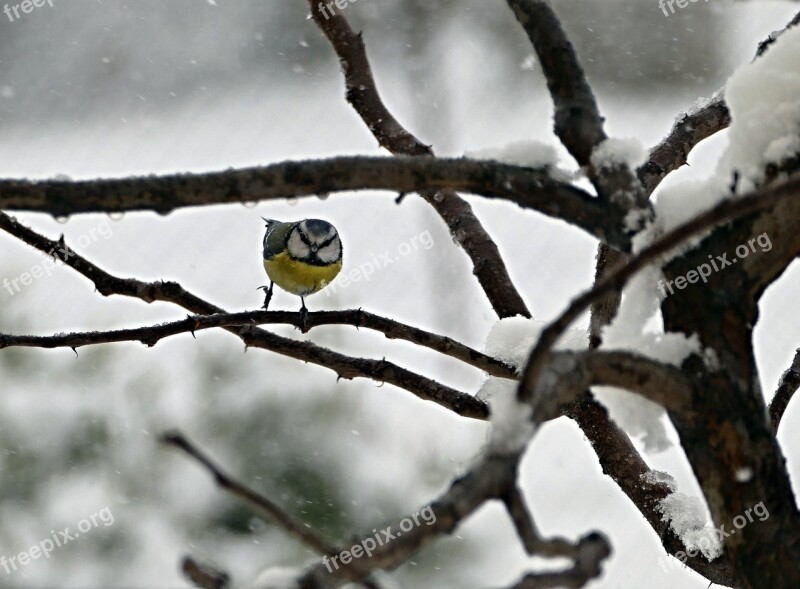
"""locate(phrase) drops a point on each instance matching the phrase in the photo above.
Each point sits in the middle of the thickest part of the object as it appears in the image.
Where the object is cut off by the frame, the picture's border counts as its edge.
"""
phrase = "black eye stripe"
(303, 237)
(327, 242)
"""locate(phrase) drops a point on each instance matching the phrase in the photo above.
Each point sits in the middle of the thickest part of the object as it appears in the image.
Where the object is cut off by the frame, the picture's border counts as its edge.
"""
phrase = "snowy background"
(114, 88)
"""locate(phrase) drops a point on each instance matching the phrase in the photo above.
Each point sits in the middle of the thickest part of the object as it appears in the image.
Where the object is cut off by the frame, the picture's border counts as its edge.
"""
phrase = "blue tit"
(301, 257)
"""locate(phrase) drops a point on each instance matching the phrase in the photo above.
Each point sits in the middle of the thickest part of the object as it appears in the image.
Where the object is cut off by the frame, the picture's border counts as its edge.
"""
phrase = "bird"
(301, 257)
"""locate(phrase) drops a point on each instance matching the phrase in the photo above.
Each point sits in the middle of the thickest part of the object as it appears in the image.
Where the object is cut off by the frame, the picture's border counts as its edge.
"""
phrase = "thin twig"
(689, 130)
(528, 533)
(152, 334)
(790, 382)
(354, 571)
(258, 502)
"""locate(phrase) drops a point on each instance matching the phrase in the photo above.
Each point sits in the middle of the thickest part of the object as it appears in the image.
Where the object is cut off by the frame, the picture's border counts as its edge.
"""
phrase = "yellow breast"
(298, 277)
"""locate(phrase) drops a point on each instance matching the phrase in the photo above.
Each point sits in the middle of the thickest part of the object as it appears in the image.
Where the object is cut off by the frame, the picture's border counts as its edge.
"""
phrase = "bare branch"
(361, 90)
(345, 366)
(485, 481)
(377, 370)
(689, 130)
(790, 382)
(151, 335)
(528, 533)
(620, 460)
(528, 187)
(588, 553)
(258, 502)
(605, 307)
(591, 550)
(568, 374)
(578, 123)
(362, 93)
(205, 577)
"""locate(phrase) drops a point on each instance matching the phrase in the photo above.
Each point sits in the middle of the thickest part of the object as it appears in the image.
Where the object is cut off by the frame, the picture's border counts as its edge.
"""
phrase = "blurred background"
(116, 88)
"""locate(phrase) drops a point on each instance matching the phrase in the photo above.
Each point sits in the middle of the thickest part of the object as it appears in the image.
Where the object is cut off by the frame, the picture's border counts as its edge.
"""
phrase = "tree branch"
(528, 533)
(568, 374)
(767, 43)
(465, 228)
(578, 123)
(689, 130)
(264, 506)
(592, 551)
(588, 553)
(790, 382)
(620, 460)
(151, 335)
(692, 128)
(258, 502)
(727, 211)
(345, 366)
(528, 187)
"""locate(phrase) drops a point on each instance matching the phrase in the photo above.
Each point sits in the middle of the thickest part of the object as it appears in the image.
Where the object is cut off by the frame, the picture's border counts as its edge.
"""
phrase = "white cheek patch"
(297, 249)
(331, 252)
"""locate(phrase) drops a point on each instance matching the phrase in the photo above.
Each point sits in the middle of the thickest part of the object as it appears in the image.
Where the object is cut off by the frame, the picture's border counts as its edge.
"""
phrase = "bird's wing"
(275, 239)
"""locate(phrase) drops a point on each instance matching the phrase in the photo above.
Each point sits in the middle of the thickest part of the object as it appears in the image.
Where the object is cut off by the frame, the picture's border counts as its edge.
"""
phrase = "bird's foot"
(267, 294)
(303, 317)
